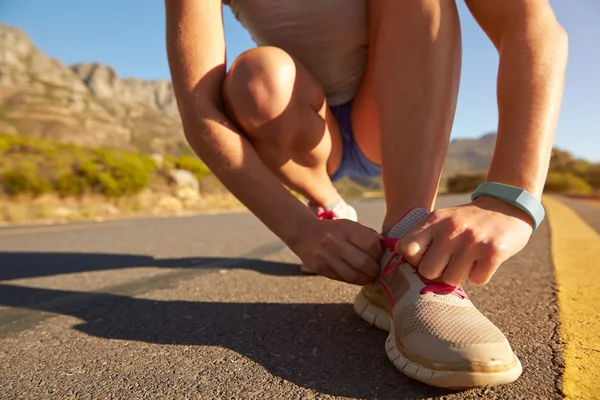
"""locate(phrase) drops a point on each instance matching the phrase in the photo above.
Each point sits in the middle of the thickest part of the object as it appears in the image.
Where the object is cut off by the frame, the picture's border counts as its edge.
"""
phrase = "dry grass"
(373, 194)
(220, 201)
(52, 208)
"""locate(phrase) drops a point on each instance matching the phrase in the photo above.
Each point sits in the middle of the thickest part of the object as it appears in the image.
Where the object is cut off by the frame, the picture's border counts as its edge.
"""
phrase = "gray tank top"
(329, 37)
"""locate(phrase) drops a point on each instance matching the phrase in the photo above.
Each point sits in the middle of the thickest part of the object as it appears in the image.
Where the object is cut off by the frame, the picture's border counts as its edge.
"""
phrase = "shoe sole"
(375, 315)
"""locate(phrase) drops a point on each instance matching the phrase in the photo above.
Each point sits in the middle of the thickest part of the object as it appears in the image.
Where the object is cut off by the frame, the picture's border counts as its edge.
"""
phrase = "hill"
(469, 155)
(85, 104)
(464, 156)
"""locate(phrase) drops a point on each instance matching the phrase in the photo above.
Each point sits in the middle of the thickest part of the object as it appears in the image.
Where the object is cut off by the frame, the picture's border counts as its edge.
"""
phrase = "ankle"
(394, 215)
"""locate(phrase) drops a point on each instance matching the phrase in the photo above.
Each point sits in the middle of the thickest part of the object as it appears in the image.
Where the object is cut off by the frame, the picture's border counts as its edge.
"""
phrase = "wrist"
(303, 227)
(489, 203)
(524, 178)
(513, 197)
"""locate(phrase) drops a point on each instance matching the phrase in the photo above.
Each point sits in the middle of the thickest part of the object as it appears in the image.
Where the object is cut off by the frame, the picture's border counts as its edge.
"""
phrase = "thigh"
(278, 104)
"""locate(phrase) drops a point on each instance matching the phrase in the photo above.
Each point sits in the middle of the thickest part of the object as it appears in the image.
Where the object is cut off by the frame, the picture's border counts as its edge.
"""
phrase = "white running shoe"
(436, 335)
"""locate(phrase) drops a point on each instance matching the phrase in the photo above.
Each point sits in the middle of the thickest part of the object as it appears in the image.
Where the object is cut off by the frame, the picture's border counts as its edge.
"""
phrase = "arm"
(473, 240)
(196, 53)
(533, 56)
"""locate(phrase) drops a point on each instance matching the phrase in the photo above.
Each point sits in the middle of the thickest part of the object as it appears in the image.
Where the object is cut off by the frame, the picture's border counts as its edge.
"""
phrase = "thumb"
(414, 246)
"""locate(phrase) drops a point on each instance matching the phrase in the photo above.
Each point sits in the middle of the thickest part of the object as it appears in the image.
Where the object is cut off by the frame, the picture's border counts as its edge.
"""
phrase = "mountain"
(469, 155)
(86, 104)
(464, 156)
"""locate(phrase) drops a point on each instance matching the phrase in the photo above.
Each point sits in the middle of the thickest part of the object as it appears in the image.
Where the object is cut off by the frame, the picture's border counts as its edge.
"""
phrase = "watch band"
(514, 196)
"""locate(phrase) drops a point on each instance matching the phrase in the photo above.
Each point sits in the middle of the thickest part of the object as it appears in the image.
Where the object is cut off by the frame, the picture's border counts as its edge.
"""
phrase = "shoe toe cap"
(428, 350)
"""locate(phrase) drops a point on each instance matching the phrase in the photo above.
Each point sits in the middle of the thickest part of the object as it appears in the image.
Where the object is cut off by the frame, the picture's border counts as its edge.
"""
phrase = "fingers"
(415, 244)
(358, 259)
(340, 268)
(463, 242)
(329, 273)
(365, 239)
(440, 249)
(483, 270)
(333, 253)
(458, 269)
(433, 263)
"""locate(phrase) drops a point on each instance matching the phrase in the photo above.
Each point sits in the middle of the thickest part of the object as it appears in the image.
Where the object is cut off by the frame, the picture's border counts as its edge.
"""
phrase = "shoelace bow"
(431, 286)
(323, 214)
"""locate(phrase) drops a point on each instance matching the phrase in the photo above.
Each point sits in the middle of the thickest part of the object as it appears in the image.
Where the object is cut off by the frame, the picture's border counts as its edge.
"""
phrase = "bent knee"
(259, 86)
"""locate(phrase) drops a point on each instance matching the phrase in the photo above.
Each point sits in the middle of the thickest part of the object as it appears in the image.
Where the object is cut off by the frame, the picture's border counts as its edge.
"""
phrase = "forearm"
(236, 164)
(530, 84)
(196, 53)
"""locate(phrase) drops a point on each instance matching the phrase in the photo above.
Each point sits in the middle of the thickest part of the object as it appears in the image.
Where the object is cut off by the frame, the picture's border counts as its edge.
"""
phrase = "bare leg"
(409, 93)
(282, 110)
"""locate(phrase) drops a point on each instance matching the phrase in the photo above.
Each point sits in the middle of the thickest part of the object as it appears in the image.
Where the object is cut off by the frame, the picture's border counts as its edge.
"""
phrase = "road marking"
(576, 255)
(57, 228)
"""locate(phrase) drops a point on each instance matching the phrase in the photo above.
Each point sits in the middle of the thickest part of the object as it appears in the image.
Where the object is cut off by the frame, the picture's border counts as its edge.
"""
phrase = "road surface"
(214, 307)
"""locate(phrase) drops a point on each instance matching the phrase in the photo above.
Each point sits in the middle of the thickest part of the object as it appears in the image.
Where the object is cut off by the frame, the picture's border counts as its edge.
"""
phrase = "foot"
(436, 335)
(338, 210)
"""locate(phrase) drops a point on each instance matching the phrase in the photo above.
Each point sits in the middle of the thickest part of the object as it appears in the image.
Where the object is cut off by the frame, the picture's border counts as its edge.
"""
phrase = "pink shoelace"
(323, 214)
(431, 286)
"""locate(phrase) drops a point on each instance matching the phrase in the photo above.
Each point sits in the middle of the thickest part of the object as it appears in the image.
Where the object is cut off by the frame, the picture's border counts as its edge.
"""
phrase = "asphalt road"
(214, 306)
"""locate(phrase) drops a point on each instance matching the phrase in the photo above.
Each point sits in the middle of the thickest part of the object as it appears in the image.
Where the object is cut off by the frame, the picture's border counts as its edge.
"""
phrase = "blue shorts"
(354, 162)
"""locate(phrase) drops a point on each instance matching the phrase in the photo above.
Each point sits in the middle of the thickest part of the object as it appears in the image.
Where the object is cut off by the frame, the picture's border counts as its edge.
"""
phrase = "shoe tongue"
(407, 223)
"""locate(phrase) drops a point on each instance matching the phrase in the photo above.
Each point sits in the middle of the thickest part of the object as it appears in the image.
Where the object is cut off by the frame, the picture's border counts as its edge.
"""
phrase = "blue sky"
(129, 36)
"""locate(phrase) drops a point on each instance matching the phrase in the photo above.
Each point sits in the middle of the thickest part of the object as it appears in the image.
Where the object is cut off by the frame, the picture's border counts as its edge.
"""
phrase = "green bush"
(560, 160)
(565, 182)
(24, 178)
(464, 183)
(563, 161)
(123, 173)
(34, 166)
(592, 176)
(4, 143)
(71, 184)
(192, 164)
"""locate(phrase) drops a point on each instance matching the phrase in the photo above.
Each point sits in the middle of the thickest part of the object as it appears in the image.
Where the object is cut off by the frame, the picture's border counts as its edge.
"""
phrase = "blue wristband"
(514, 196)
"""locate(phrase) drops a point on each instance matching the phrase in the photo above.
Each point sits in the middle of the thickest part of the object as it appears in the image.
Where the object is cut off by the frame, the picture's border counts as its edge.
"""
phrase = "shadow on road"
(312, 345)
(325, 347)
(18, 265)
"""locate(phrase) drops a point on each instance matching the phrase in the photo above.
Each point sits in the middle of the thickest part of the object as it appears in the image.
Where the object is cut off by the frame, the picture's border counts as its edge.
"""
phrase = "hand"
(466, 241)
(342, 250)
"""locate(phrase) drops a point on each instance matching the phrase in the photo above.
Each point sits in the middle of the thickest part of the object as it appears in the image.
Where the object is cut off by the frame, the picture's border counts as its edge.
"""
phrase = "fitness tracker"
(514, 196)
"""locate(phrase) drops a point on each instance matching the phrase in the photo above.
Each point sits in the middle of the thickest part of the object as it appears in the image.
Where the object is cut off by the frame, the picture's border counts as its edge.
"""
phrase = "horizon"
(124, 45)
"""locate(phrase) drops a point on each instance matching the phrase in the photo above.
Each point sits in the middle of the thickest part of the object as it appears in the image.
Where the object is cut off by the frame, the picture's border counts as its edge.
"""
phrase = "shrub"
(565, 182)
(464, 183)
(71, 184)
(123, 173)
(109, 185)
(592, 176)
(563, 161)
(24, 178)
(31, 165)
(192, 164)
(560, 160)
(4, 143)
